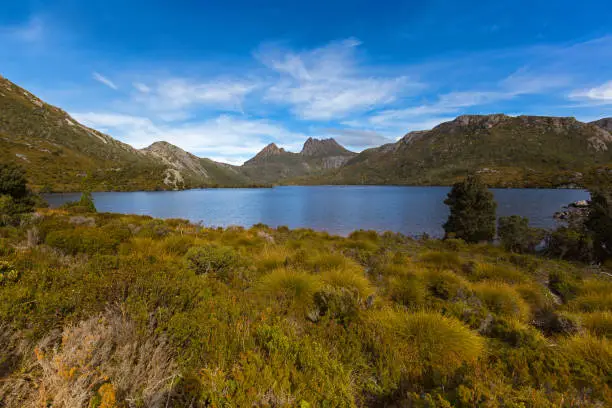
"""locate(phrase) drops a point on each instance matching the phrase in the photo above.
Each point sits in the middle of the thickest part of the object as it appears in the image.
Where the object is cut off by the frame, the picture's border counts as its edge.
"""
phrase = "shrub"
(84, 205)
(8, 273)
(517, 236)
(502, 299)
(212, 259)
(570, 243)
(86, 240)
(514, 332)
(353, 280)
(472, 211)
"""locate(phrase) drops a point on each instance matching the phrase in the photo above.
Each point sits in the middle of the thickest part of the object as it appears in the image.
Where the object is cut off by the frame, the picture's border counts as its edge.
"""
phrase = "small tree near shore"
(472, 211)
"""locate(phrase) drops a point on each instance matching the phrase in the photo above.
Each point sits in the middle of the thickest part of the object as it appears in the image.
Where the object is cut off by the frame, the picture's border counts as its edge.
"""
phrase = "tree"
(599, 221)
(13, 181)
(516, 235)
(472, 211)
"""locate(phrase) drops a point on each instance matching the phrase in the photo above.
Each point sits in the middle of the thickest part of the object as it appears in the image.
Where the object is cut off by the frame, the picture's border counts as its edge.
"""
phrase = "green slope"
(525, 151)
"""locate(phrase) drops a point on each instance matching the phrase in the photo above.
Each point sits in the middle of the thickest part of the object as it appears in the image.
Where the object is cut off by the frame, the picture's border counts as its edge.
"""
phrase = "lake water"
(336, 209)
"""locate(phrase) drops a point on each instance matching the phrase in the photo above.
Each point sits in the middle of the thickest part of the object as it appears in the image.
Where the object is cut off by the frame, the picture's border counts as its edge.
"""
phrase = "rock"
(579, 204)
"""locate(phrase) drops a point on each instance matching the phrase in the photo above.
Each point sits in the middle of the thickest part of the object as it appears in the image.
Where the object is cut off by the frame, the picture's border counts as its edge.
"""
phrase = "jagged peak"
(324, 147)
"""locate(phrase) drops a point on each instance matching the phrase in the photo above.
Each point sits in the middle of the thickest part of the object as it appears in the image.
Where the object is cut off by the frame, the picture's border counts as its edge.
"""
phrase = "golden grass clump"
(502, 299)
(442, 260)
(447, 285)
(290, 287)
(591, 349)
(427, 342)
(351, 279)
(497, 272)
(272, 257)
(598, 323)
(409, 290)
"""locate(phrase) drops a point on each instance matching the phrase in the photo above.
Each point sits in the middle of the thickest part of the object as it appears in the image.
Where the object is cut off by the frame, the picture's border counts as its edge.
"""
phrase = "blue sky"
(224, 78)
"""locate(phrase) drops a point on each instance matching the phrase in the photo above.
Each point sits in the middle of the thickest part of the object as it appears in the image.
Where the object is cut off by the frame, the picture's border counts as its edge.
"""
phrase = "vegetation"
(104, 310)
(523, 151)
(516, 235)
(472, 211)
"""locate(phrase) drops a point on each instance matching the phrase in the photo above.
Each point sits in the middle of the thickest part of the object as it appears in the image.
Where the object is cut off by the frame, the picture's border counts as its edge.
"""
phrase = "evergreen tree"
(472, 211)
(599, 221)
(13, 181)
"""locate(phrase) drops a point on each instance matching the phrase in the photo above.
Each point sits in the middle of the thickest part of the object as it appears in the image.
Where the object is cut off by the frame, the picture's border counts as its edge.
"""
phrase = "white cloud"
(174, 97)
(141, 87)
(221, 138)
(327, 83)
(598, 95)
(104, 80)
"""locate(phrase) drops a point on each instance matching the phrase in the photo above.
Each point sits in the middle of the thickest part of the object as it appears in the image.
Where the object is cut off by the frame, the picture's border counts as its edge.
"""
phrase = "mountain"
(507, 151)
(61, 154)
(605, 123)
(186, 169)
(273, 164)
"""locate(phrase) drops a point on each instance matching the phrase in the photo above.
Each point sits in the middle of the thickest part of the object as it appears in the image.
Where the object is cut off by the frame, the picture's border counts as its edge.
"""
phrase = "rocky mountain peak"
(487, 121)
(324, 147)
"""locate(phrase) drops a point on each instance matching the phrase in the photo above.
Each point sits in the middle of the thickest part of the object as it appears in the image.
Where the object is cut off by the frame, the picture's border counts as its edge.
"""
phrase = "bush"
(8, 273)
(570, 243)
(599, 221)
(85, 240)
(210, 258)
(472, 211)
(409, 291)
(516, 235)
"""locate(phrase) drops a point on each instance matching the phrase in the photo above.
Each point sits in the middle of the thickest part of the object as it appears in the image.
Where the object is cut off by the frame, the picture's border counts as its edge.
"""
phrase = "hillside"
(187, 170)
(60, 154)
(524, 151)
(274, 164)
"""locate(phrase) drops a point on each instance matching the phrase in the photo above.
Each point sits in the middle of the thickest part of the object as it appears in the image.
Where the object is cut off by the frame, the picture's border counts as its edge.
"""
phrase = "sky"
(222, 79)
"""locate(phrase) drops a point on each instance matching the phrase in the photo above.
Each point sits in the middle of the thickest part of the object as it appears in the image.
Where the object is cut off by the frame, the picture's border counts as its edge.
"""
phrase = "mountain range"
(60, 154)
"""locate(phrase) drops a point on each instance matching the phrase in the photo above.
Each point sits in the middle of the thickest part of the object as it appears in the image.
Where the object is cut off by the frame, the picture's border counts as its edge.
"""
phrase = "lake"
(336, 209)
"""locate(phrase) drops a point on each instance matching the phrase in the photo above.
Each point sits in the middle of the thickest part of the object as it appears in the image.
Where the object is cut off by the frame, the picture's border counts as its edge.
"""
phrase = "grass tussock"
(502, 299)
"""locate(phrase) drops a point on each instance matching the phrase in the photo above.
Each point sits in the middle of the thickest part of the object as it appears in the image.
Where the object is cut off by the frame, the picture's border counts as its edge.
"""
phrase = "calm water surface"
(336, 209)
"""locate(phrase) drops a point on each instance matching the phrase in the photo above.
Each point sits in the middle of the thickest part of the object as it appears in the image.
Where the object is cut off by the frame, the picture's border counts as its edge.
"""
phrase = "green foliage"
(8, 273)
(503, 300)
(517, 236)
(207, 259)
(472, 211)
(12, 181)
(599, 221)
(570, 243)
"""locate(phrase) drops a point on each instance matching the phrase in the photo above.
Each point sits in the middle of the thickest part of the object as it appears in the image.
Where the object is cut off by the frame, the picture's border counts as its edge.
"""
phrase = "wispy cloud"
(327, 83)
(173, 98)
(104, 80)
(223, 138)
(599, 95)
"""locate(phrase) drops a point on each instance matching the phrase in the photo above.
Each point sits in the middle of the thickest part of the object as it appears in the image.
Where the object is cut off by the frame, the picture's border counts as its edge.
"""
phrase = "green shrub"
(570, 243)
(561, 283)
(210, 258)
(85, 240)
(516, 235)
(8, 273)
